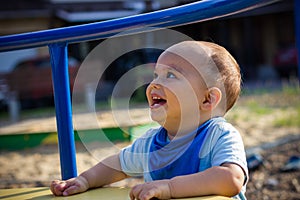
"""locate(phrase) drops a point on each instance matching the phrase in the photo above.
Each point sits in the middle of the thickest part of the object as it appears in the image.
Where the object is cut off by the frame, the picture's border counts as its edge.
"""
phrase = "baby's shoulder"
(221, 126)
(220, 129)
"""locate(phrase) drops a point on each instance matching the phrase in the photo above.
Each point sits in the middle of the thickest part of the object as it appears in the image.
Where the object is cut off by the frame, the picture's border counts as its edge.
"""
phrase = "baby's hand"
(69, 187)
(159, 189)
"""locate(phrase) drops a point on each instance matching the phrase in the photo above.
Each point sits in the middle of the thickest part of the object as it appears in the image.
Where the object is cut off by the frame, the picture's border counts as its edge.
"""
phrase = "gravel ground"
(269, 181)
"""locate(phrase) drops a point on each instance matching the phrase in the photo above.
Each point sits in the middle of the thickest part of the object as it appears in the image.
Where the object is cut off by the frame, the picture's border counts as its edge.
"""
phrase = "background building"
(262, 40)
(253, 37)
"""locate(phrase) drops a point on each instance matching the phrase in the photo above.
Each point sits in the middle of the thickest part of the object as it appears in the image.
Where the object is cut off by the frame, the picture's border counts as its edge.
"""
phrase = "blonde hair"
(229, 71)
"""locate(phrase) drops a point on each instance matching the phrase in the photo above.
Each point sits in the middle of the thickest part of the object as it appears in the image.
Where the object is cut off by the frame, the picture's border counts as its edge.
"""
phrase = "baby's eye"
(170, 75)
(155, 76)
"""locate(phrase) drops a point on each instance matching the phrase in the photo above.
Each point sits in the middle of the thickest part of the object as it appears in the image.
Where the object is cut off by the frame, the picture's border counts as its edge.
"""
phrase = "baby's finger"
(57, 187)
(135, 191)
(131, 195)
(72, 190)
(148, 194)
(53, 183)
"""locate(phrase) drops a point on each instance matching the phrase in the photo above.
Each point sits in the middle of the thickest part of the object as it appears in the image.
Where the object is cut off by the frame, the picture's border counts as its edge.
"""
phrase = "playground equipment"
(103, 193)
(58, 39)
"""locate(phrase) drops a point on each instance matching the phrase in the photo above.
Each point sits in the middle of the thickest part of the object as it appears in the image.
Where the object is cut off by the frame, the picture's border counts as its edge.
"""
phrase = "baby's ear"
(212, 98)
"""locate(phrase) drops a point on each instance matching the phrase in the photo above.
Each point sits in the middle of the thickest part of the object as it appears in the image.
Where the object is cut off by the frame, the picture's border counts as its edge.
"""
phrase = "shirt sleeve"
(229, 148)
(134, 158)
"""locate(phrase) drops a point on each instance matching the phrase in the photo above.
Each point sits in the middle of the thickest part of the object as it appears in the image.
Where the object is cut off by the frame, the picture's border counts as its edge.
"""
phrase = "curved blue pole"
(176, 16)
(297, 26)
(62, 99)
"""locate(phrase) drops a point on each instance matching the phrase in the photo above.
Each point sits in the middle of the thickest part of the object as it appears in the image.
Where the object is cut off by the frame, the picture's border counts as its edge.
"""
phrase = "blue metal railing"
(297, 25)
(58, 39)
(194, 12)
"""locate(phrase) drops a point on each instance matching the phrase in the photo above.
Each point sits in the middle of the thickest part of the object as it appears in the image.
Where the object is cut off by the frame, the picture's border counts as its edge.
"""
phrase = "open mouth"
(157, 101)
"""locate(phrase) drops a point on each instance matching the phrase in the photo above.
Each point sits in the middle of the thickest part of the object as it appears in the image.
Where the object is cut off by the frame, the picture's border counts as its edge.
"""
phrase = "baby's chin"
(160, 119)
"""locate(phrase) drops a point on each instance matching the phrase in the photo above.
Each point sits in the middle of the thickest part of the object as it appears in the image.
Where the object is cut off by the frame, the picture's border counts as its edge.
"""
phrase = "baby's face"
(177, 90)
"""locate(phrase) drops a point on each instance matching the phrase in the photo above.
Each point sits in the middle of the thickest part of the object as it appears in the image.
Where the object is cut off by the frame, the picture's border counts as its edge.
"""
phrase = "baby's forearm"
(220, 180)
(105, 172)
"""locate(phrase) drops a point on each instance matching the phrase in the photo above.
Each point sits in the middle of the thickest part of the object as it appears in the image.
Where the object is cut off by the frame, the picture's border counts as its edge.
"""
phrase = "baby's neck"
(183, 129)
(177, 129)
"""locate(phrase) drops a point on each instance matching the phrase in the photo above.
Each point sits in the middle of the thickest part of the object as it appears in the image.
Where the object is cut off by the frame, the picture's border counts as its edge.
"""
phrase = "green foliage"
(255, 107)
(290, 119)
(280, 106)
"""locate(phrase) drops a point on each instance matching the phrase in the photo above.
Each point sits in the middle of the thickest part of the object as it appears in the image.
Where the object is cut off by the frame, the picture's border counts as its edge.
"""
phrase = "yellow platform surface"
(44, 193)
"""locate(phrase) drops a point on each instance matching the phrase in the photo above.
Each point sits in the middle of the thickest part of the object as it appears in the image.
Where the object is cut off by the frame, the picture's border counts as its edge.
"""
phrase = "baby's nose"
(154, 84)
